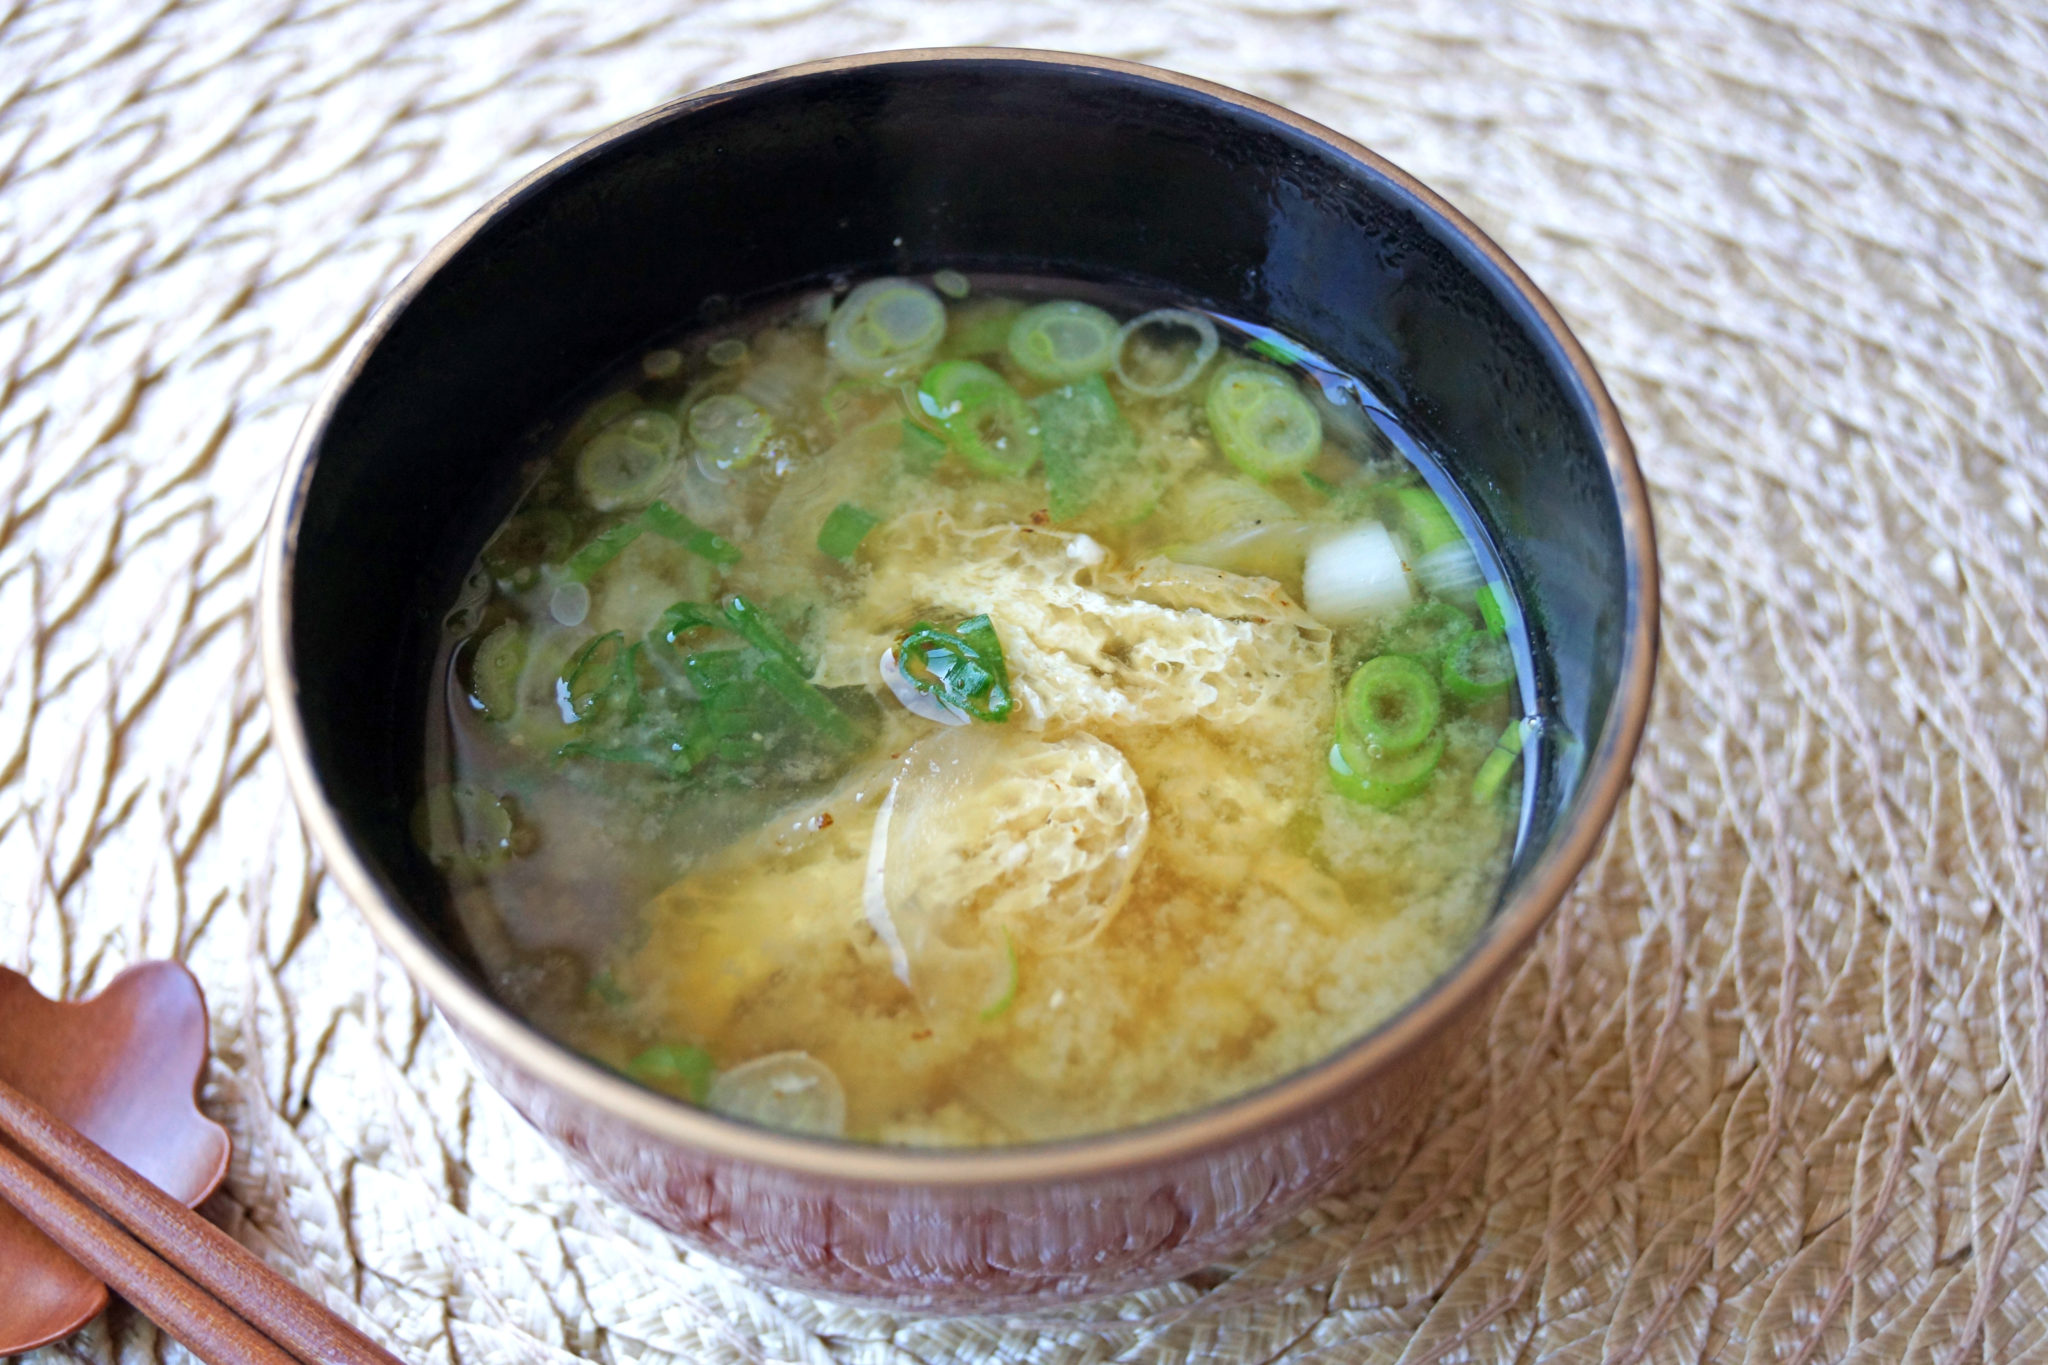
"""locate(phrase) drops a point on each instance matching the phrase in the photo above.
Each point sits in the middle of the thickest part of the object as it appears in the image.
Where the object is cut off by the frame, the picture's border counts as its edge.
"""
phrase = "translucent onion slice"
(885, 327)
(1354, 576)
(790, 1091)
(1451, 570)
(1156, 368)
(1063, 341)
(914, 701)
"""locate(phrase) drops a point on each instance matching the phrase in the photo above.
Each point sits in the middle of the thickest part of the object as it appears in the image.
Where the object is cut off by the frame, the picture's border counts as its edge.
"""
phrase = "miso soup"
(957, 712)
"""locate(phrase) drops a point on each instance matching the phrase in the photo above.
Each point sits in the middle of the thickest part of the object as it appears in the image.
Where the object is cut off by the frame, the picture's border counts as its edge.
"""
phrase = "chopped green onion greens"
(670, 524)
(963, 667)
(1000, 1006)
(885, 326)
(1478, 667)
(627, 461)
(494, 672)
(1063, 341)
(728, 430)
(1428, 522)
(1498, 763)
(986, 423)
(684, 1071)
(845, 528)
(1262, 423)
(1387, 782)
(1390, 706)
(1425, 632)
(751, 624)
(923, 448)
(1091, 455)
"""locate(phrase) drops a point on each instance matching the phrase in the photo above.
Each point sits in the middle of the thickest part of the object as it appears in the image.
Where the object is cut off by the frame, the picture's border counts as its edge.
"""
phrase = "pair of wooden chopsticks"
(188, 1276)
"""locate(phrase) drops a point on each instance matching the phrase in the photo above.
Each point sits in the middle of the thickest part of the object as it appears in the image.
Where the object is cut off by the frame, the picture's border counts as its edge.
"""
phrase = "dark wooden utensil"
(188, 1276)
(122, 1068)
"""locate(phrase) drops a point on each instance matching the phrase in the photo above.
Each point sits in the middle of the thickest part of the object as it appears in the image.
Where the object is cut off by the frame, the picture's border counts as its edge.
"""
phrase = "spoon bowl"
(122, 1068)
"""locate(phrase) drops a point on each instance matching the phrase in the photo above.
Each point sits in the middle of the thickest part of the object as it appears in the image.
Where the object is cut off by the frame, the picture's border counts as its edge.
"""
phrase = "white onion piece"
(1355, 576)
(1450, 570)
(915, 702)
(790, 1091)
(874, 901)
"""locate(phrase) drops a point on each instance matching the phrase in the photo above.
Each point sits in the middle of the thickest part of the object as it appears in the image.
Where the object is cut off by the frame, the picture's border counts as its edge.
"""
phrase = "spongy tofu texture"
(1253, 939)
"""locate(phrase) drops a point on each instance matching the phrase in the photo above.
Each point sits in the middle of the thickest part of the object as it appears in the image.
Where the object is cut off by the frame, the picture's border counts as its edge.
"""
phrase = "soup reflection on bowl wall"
(987, 165)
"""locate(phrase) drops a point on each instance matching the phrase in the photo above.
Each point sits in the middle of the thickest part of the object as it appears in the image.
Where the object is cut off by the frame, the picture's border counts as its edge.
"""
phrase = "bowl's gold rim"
(1170, 1141)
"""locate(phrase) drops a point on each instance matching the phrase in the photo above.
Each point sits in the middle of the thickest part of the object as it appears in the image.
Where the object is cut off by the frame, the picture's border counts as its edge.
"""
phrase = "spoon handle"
(196, 1250)
(188, 1313)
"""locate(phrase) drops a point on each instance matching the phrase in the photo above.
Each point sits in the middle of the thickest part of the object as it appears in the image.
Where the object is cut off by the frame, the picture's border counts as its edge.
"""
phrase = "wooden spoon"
(123, 1068)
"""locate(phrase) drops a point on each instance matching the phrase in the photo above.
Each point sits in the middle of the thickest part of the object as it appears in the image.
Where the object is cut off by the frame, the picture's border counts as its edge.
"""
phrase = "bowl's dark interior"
(982, 164)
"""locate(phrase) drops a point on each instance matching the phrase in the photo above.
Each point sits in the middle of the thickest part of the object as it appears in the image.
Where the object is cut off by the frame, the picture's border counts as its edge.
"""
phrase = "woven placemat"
(1773, 1087)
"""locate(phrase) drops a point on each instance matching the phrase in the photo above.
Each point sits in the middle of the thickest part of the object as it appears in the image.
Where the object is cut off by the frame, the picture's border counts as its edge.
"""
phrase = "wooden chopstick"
(170, 1299)
(197, 1274)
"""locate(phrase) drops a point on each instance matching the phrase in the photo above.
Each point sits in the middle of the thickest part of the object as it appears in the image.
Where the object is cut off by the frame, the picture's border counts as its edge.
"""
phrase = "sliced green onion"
(923, 449)
(751, 624)
(666, 522)
(1162, 352)
(1428, 522)
(963, 667)
(1262, 423)
(683, 1071)
(529, 540)
(1063, 341)
(1000, 1006)
(595, 674)
(1275, 349)
(986, 423)
(710, 671)
(1498, 763)
(844, 529)
(951, 283)
(1091, 455)
(1386, 782)
(627, 461)
(812, 705)
(601, 414)
(979, 328)
(1496, 607)
(686, 616)
(729, 430)
(465, 824)
(1390, 705)
(725, 352)
(494, 672)
(1425, 632)
(666, 761)
(601, 550)
(1478, 667)
(884, 327)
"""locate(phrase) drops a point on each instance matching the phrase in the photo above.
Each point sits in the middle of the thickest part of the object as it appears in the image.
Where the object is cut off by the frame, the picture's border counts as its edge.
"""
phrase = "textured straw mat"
(1774, 1085)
